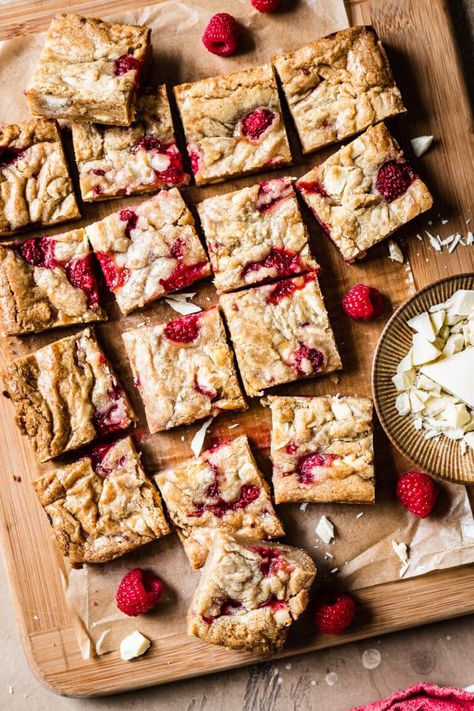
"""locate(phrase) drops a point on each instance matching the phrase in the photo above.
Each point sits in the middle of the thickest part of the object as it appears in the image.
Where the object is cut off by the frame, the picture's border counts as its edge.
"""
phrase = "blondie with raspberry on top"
(364, 192)
(115, 161)
(233, 124)
(322, 449)
(222, 489)
(149, 250)
(250, 593)
(102, 506)
(255, 234)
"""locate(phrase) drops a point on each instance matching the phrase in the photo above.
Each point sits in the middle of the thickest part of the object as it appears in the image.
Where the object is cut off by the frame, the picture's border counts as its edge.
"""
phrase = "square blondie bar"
(222, 489)
(281, 333)
(103, 505)
(66, 395)
(250, 593)
(114, 161)
(233, 124)
(322, 449)
(184, 370)
(364, 192)
(149, 250)
(338, 85)
(48, 282)
(35, 187)
(255, 234)
(89, 70)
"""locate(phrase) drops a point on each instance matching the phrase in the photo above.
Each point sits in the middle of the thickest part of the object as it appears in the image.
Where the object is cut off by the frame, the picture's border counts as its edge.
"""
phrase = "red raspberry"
(393, 179)
(139, 591)
(363, 303)
(334, 612)
(417, 493)
(257, 122)
(266, 5)
(221, 35)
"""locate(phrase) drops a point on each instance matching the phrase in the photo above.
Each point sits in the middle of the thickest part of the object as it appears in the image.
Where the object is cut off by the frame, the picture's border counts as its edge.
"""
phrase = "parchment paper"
(361, 554)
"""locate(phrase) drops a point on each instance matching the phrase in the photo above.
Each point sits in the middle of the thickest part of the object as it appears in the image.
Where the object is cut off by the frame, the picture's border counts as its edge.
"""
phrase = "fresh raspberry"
(257, 122)
(221, 35)
(334, 612)
(393, 179)
(139, 591)
(363, 303)
(417, 493)
(266, 5)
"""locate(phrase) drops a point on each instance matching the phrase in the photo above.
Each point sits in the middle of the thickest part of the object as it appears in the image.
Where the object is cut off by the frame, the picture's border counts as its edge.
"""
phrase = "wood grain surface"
(421, 49)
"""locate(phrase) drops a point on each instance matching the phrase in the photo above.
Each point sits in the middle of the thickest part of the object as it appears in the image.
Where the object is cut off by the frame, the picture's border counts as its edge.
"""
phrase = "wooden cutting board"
(422, 51)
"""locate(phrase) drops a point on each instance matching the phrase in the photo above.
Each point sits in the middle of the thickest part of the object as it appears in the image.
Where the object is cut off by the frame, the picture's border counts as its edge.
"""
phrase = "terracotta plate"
(441, 457)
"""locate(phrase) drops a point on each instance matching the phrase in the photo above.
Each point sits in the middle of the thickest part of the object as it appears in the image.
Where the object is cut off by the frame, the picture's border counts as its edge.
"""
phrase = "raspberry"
(363, 303)
(183, 330)
(334, 612)
(283, 261)
(417, 493)
(257, 122)
(139, 591)
(309, 462)
(126, 63)
(307, 356)
(221, 35)
(39, 252)
(114, 275)
(131, 218)
(393, 179)
(9, 155)
(80, 273)
(266, 5)
(183, 275)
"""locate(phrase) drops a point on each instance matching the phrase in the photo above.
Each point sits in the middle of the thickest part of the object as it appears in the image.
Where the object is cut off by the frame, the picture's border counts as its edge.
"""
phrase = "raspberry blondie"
(222, 489)
(35, 187)
(89, 70)
(337, 86)
(114, 161)
(250, 593)
(184, 370)
(102, 506)
(255, 234)
(364, 192)
(233, 124)
(149, 250)
(48, 282)
(281, 332)
(322, 449)
(66, 394)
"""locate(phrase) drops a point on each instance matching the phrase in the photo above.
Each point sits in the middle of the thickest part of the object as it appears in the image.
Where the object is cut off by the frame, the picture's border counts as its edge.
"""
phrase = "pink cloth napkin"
(424, 697)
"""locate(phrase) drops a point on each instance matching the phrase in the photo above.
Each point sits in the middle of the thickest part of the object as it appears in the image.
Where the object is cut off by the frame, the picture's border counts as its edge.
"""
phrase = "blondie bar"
(103, 505)
(222, 489)
(364, 192)
(66, 394)
(337, 86)
(89, 70)
(249, 594)
(183, 370)
(48, 282)
(322, 449)
(115, 161)
(149, 250)
(281, 332)
(35, 187)
(255, 234)
(233, 124)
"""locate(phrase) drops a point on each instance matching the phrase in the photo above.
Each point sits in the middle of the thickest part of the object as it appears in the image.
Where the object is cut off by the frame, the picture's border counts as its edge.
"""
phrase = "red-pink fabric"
(424, 697)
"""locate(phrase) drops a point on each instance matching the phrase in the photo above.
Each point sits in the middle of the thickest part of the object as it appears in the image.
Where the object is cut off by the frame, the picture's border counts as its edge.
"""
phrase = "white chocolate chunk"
(134, 646)
(437, 319)
(423, 350)
(420, 144)
(325, 530)
(394, 252)
(421, 323)
(462, 302)
(454, 374)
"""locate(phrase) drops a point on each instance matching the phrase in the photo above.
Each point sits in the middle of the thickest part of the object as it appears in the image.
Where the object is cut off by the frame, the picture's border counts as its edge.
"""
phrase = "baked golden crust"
(149, 250)
(220, 141)
(281, 333)
(184, 370)
(343, 193)
(249, 594)
(58, 291)
(35, 187)
(222, 489)
(322, 449)
(255, 234)
(103, 505)
(88, 70)
(65, 395)
(338, 85)
(114, 161)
